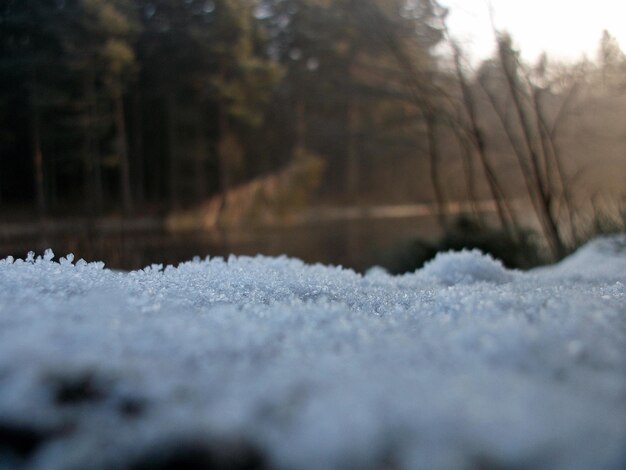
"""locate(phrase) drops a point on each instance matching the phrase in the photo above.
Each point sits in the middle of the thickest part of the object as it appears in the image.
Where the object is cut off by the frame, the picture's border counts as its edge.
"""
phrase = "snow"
(272, 363)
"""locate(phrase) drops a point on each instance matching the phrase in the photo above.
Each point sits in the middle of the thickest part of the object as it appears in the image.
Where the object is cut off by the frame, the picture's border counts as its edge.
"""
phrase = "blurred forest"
(214, 112)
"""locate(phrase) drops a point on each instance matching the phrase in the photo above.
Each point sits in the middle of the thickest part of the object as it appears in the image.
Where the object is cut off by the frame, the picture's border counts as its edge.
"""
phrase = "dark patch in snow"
(487, 462)
(21, 440)
(200, 455)
(131, 407)
(76, 389)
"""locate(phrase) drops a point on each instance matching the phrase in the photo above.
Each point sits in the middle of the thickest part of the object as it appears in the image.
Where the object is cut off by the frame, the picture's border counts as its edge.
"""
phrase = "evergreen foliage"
(111, 104)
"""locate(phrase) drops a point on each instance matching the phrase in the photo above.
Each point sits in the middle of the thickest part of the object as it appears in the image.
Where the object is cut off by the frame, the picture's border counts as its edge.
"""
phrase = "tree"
(477, 136)
(612, 63)
(30, 50)
(104, 53)
(205, 68)
(346, 90)
(242, 82)
(410, 31)
(528, 133)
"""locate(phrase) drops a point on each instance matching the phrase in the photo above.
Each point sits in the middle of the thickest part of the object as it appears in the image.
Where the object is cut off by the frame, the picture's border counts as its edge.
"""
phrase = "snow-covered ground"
(271, 363)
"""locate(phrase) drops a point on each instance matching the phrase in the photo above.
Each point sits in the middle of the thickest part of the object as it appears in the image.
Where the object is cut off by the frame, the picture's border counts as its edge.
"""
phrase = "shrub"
(467, 233)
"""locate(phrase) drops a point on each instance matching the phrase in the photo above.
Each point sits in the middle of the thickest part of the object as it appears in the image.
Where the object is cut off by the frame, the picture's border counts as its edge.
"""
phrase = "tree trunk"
(468, 169)
(121, 144)
(174, 173)
(92, 173)
(37, 157)
(551, 151)
(223, 160)
(430, 120)
(519, 155)
(223, 132)
(505, 214)
(544, 193)
(200, 181)
(138, 149)
(301, 129)
(352, 157)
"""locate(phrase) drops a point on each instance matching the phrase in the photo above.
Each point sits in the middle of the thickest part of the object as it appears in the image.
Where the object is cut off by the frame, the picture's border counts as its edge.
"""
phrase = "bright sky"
(565, 29)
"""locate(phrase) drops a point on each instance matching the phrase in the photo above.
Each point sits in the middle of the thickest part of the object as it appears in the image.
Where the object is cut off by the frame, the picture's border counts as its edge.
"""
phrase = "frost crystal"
(48, 255)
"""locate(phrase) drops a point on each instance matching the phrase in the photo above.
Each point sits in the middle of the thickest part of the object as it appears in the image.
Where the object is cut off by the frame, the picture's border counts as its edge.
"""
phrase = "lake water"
(357, 243)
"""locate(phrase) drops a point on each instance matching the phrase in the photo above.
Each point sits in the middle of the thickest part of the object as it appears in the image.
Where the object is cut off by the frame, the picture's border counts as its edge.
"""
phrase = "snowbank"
(271, 363)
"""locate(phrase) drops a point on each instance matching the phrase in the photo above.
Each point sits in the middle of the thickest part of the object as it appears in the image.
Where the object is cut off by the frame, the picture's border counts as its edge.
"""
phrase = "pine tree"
(612, 62)
(100, 50)
(203, 63)
(343, 75)
(30, 51)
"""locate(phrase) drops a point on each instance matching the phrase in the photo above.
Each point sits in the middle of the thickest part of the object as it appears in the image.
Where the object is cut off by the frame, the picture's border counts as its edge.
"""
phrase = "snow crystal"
(466, 267)
(272, 363)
